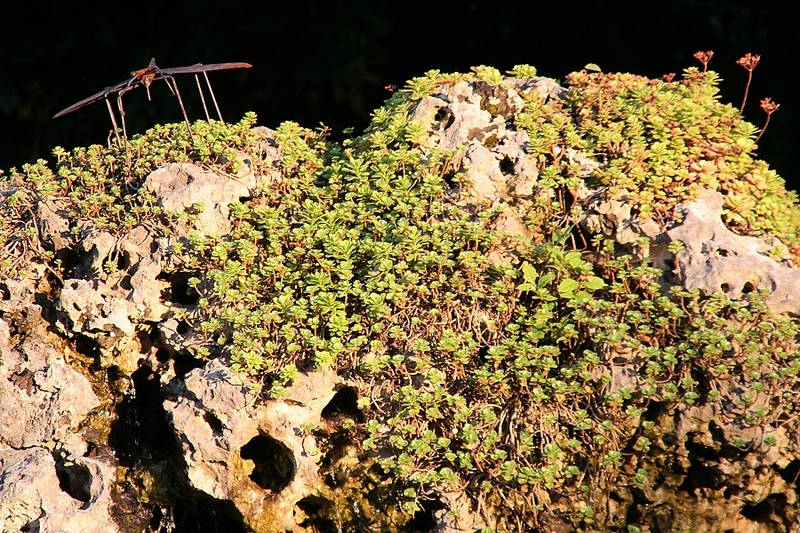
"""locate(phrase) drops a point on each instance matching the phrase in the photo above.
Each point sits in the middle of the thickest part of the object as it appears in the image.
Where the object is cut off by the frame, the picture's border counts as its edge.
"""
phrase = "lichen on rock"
(507, 304)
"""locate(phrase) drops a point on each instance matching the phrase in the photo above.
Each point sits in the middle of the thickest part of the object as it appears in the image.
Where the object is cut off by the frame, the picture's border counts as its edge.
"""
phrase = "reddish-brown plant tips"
(769, 107)
(668, 77)
(748, 62)
(704, 58)
(390, 88)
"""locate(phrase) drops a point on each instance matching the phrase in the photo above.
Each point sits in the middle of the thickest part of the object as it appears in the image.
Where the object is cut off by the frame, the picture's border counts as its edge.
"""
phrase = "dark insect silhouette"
(144, 78)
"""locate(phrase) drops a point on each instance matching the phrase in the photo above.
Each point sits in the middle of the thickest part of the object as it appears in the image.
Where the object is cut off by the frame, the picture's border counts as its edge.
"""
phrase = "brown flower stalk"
(748, 62)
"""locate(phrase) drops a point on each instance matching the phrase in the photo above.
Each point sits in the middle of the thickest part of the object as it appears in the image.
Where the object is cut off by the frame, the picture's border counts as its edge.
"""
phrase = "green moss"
(495, 380)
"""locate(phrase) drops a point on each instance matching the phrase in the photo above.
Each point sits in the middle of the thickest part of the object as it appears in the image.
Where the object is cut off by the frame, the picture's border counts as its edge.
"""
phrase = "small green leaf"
(529, 273)
(593, 283)
(567, 287)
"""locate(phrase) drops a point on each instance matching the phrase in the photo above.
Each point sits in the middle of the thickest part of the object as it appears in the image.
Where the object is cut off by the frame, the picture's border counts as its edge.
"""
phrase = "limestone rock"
(258, 457)
(32, 498)
(186, 186)
(611, 215)
(475, 121)
(43, 399)
(716, 259)
(43, 402)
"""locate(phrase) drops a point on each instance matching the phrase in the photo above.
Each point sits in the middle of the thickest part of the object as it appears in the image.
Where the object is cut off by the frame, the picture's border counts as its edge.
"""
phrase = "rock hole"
(69, 261)
(214, 423)
(125, 283)
(75, 480)
(185, 363)
(700, 472)
(87, 346)
(424, 519)
(766, 509)
(5, 294)
(317, 510)
(748, 287)
(506, 166)
(179, 290)
(141, 433)
(725, 287)
(202, 514)
(162, 355)
(444, 117)
(275, 466)
(344, 403)
(722, 252)
(123, 261)
(147, 339)
(633, 514)
(183, 327)
(791, 474)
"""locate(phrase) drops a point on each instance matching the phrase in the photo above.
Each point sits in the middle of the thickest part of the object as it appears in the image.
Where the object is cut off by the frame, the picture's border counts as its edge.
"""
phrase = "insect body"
(144, 78)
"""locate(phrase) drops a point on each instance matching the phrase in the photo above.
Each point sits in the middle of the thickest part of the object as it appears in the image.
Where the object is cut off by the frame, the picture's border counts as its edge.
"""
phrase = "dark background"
(328, 62)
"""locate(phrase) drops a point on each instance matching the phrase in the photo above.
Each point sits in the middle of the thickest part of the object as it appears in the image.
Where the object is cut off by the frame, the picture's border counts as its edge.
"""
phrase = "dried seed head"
(769, 106)
(749, 61)
(704, 58)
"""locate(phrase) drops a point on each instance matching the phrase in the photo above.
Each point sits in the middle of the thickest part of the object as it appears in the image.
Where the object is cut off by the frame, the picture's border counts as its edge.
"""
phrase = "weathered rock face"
(262, 458)
(46, 482)
(492, 155)
(716, 259)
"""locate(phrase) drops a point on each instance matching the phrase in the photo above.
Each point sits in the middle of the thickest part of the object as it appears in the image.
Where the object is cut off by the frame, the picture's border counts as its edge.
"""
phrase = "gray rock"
(89, 311)
(610, 214)
(53, 225)
(214, 417)
(180, 186)
(716, 259)
(31, 496)
(43, 399)
(43, 403)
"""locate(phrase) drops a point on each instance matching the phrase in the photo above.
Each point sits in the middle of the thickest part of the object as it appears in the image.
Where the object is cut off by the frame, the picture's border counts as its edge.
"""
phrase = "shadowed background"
(329, 62)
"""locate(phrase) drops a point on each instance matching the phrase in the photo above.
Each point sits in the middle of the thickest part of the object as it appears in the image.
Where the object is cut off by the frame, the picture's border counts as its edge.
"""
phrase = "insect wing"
(199, 67)
(93, 98)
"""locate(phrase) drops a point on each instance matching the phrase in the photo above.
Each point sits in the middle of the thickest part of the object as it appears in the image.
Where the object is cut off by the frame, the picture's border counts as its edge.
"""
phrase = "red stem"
(746, 89)
(766, 123)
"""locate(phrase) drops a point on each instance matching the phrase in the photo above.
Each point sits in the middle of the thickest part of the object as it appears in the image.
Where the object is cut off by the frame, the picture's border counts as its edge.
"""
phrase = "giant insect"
(144, 78)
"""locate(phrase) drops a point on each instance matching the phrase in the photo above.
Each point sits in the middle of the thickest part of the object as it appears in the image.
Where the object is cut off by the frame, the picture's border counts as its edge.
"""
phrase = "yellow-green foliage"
(489, 379)
(99, 188)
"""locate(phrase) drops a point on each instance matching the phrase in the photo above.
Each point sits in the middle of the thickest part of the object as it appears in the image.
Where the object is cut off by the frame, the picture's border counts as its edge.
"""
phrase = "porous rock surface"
(716, 259)
(213, 414)
(49, 480)
(46, 482)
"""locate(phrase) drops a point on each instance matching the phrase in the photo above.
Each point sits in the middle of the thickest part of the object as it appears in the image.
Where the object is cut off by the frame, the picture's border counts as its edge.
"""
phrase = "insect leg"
(122, 114)
(202, 98)
(113, 119)
(180, 103)
(213, 98)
